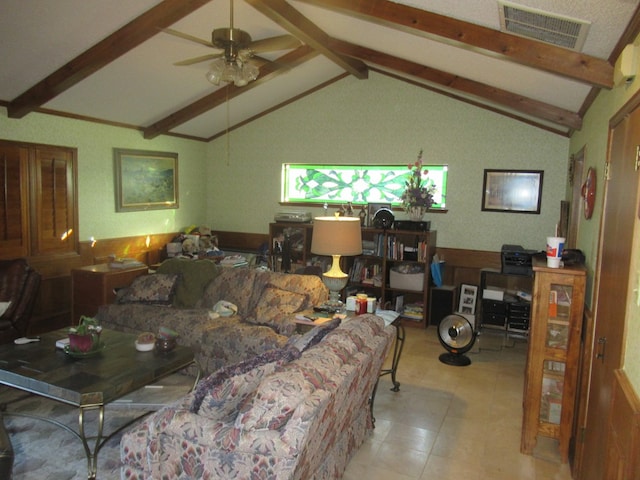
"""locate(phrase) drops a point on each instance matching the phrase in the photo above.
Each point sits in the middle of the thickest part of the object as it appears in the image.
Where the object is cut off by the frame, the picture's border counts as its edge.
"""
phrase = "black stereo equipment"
(412, 226)
(516, 260)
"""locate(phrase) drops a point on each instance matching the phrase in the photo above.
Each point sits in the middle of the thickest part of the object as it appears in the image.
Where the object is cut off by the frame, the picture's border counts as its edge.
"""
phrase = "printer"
(516, 260)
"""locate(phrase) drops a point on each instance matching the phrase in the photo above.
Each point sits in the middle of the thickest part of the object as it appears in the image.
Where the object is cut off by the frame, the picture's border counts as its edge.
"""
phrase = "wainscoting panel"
(623, 442)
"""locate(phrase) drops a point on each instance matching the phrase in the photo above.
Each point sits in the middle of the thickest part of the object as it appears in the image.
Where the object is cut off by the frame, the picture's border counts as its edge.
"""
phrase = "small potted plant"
(86, 336)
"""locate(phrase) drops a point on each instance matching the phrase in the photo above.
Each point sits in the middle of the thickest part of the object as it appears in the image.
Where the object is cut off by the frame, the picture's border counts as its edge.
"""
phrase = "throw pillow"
(221, 392)
(274, 303)
(313, 336)
(154, 289)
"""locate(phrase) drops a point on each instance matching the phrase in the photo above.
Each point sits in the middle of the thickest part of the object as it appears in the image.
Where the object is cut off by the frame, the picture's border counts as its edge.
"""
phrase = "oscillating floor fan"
(457, 336)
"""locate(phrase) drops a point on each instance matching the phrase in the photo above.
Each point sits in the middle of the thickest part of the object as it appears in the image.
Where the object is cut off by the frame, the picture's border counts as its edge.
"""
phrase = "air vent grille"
(543, 26)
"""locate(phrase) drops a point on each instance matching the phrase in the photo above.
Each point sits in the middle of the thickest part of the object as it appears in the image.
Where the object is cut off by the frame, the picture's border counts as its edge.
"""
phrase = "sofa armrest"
(163, 443)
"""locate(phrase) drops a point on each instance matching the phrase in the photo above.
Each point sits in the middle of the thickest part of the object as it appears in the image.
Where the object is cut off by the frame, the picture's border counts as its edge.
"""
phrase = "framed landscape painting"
(145, 180)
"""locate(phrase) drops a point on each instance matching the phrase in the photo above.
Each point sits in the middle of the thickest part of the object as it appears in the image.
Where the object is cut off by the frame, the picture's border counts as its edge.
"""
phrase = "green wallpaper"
(381, 120)
(96, 186)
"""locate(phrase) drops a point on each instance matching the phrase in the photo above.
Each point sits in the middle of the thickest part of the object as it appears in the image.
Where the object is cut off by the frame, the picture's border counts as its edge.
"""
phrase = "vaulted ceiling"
(113, 60)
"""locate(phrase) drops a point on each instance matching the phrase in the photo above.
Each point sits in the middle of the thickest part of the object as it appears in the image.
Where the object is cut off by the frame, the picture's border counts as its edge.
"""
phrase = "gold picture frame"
(145, 180)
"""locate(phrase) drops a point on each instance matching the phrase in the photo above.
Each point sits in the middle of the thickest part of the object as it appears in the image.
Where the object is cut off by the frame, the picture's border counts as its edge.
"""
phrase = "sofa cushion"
(156, 289)
(235, 285)
(309, 285)
(220, 393)
(274, 303)
(274, 401)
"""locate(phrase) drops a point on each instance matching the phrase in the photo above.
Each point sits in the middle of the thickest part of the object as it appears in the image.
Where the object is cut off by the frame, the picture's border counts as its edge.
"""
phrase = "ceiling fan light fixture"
(236, 71)
(215, 73)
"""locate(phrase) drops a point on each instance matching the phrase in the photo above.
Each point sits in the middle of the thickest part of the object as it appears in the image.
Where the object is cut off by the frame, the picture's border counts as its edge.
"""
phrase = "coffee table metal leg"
(92, 454)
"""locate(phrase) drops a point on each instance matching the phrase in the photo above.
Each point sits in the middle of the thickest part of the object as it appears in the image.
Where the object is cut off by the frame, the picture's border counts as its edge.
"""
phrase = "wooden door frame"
(589, 337)
(576, 168)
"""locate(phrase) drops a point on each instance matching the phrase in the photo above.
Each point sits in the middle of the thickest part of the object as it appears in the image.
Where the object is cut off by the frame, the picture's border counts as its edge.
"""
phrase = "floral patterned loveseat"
(182, 294)
(299, 412)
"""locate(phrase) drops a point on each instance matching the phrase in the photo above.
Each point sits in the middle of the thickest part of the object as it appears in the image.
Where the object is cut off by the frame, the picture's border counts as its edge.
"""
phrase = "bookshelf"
(395, 267)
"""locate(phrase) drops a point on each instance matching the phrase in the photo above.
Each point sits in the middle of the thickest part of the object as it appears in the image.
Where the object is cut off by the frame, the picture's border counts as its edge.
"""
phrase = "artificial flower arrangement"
(419, 190)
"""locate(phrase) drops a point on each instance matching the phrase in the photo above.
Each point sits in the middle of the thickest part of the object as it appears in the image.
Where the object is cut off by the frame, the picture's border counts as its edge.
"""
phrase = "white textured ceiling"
(143, 86)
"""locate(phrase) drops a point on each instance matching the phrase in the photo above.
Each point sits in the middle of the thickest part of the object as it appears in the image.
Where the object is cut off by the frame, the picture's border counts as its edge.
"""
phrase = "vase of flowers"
(86, 336)
(417, 197)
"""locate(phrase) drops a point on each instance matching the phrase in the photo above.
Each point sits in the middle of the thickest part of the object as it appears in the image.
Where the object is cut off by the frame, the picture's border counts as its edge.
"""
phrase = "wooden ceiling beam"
(267, 72)
(302, 28)
(498, 96)
(561, 61)
(104, 52)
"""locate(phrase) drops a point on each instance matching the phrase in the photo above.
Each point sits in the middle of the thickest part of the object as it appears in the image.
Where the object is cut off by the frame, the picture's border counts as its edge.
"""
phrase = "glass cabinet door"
(552, 389)
(558, 321)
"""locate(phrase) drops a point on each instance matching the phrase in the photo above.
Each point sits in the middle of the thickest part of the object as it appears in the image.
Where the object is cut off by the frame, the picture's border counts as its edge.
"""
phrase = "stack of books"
(413, 311)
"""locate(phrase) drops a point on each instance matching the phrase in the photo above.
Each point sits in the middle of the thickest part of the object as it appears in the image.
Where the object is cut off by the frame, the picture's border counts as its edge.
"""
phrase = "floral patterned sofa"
(298, 412)
(182, 294)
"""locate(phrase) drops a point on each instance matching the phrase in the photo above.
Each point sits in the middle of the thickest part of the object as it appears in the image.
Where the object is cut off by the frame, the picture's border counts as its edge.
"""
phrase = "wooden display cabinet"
(94, 285)
(289, 246)
(553, 356)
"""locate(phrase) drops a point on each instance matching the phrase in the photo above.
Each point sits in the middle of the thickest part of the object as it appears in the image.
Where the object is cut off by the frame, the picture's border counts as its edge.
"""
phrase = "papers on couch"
(389, 316)
(234, 261)
(316, 318)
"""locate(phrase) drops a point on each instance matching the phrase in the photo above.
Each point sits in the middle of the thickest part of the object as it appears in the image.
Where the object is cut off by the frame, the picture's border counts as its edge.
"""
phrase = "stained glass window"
(358, 184)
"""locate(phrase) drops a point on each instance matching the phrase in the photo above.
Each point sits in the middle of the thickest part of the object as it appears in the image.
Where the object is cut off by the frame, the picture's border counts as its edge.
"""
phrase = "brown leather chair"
(19, 285)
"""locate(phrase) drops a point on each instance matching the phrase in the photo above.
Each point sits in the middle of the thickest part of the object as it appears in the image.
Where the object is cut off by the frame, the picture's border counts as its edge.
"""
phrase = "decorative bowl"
(145, 342)
(144, 347)
(165, 344)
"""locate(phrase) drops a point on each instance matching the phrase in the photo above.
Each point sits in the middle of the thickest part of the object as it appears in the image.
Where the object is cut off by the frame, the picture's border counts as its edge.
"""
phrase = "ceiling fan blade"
(186, 36)
(202, 58)
(273, 44)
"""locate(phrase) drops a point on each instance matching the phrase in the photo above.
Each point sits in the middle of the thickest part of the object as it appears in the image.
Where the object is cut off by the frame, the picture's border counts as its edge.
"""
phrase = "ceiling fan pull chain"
(227, 132)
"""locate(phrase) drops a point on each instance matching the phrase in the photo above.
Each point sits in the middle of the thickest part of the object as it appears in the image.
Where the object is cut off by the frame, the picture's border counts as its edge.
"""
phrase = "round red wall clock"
(589, 193)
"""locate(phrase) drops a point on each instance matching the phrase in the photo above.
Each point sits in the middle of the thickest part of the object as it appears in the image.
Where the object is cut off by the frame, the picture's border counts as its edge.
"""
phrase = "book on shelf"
(413, 311)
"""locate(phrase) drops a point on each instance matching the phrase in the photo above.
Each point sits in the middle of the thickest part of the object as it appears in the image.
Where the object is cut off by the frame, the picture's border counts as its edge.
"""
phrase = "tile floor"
(450, 422)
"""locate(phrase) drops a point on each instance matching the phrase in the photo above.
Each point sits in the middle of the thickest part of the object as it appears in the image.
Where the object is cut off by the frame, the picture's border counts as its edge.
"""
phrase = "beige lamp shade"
(336, 236)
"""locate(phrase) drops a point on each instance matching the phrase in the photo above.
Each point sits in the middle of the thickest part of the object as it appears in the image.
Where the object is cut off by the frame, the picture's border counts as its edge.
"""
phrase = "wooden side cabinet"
(553, 356)
(94, 285)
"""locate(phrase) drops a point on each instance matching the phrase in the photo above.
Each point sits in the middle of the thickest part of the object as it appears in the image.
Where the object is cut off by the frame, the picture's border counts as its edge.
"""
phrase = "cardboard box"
(406, 281)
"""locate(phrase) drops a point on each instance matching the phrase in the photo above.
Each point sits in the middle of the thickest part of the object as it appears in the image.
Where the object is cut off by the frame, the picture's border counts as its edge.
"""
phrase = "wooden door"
(14, 225)
(53, 204)
(612, 281)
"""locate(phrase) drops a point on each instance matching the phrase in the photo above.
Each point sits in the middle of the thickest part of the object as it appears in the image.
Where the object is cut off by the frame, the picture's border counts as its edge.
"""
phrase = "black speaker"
(442, 302)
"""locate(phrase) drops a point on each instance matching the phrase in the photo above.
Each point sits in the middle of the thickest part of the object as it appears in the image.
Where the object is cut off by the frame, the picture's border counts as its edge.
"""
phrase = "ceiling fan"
(232, 62)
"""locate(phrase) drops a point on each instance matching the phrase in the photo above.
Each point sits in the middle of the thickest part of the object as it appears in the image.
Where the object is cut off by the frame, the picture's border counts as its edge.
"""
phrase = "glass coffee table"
(89, 382)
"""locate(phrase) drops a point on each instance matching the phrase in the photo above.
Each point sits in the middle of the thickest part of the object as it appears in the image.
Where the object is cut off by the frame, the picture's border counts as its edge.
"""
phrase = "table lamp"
(336, 236)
